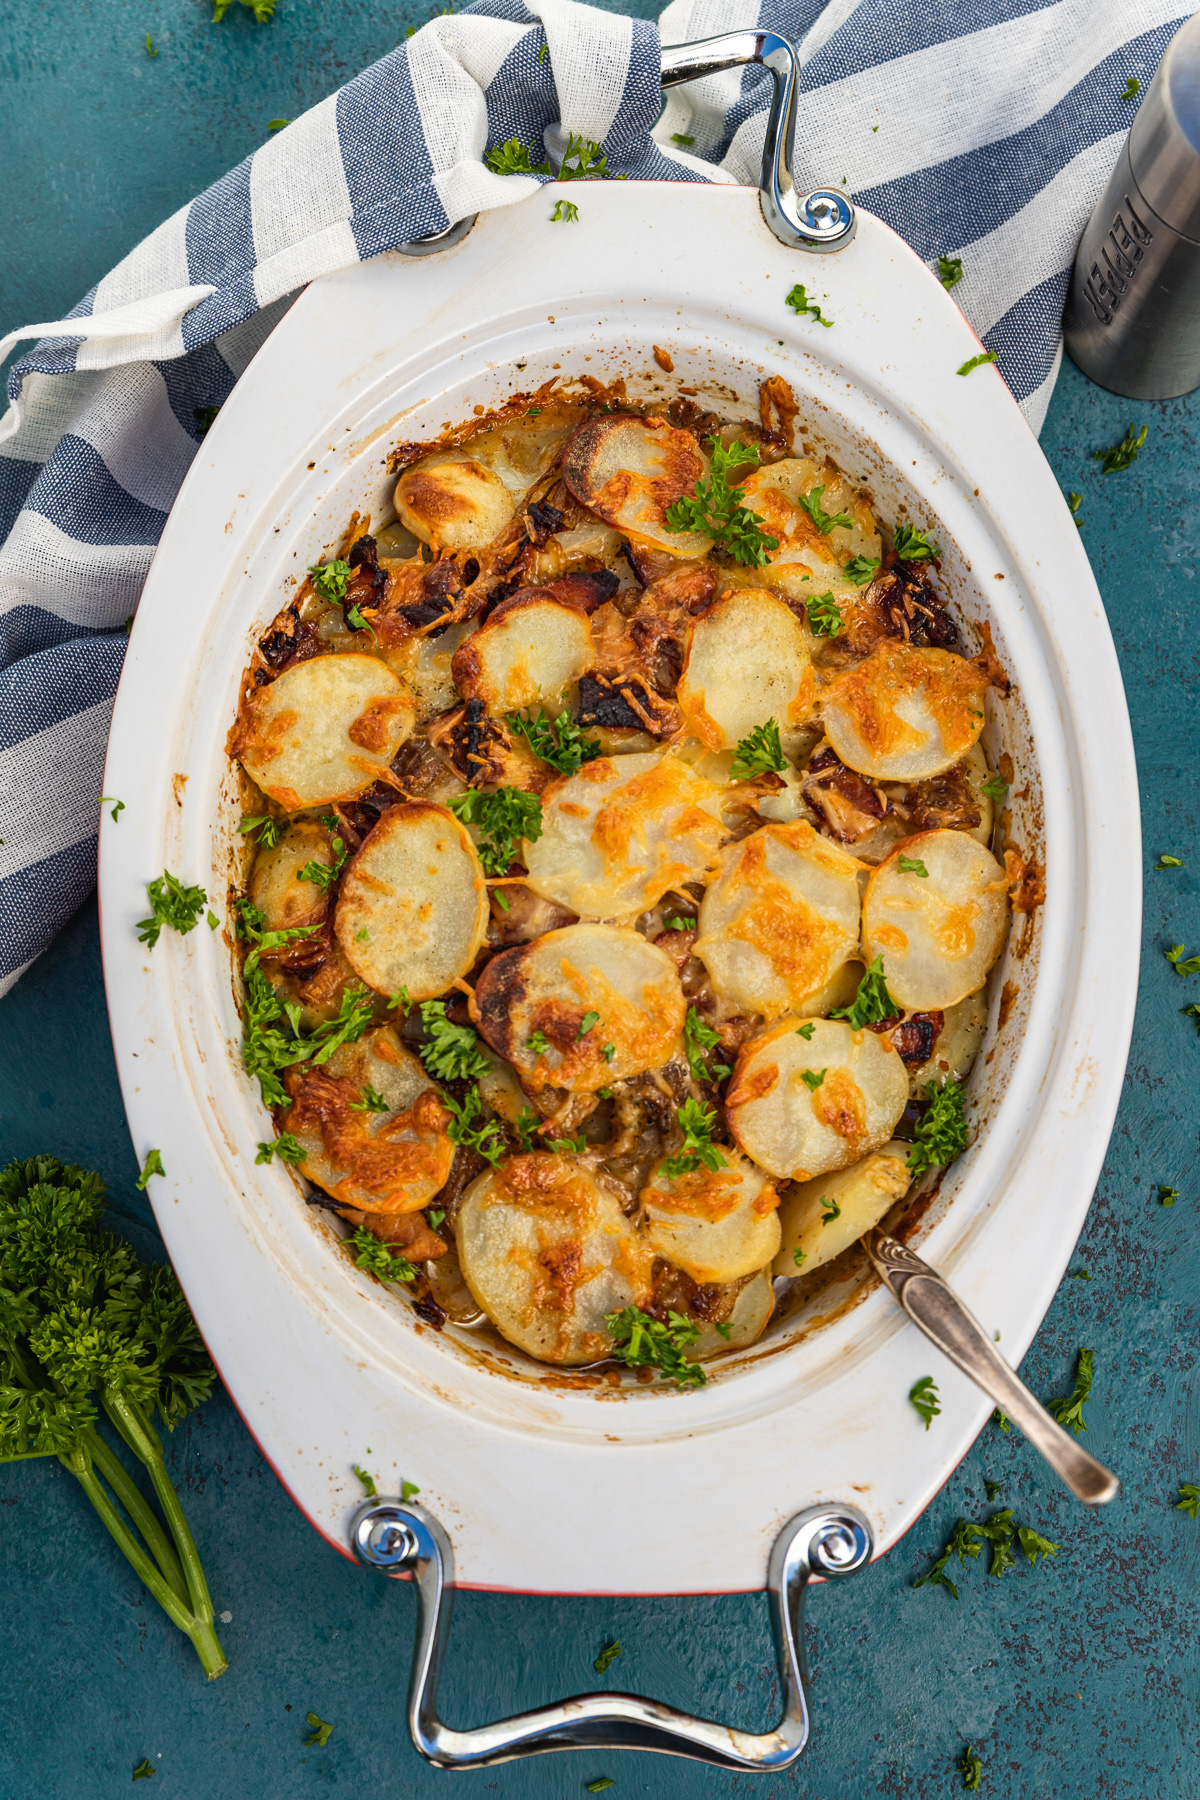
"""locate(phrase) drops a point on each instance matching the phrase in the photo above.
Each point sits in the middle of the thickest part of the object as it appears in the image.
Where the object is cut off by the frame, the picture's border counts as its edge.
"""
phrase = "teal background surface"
(1078, 1678)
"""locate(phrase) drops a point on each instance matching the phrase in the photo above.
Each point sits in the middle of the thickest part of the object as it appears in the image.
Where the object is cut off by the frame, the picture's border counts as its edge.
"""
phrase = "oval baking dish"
(633, 1486)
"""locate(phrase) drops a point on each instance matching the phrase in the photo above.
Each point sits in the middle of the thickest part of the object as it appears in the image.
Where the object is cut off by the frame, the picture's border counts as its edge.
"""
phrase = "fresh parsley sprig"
(287, 1148)
(824, 615)
(171, 904)
(912, 865)
(976, 362)
(924, 1397)
(502, 819)
(861, 569)
(715, 508)
(759, 754)
(696, 1123)
(824, 522)
(912, 544)
(512, 158)
(379, 1259)
(1122, 455)
(559, 743)
(872, 1003)
(698, 1038)
(473, 1128)
(1168, 862)
(1182, 965)
(1189, 1499)
(1069, 1410)
(950, 271)
(267, 830)
(330, 580)
(941, 1131)
(451, 1052)
(642, 1342)
(971, 1770)
(323, 875)
(995, 788)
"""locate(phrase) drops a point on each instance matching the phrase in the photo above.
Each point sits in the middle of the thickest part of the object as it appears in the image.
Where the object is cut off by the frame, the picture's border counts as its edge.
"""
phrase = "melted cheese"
(864, 1193)
(780, 920)
(747, 661)
(413, 906)
(452, 500)
(807, 560)
(628, 471)
(616, 836)
(792, 1129)
(547, 1251)
(714, 1224)
(905, 713)
(527, 654)
(323, 729)
(275, 886)
(552, 985)
(938, 934)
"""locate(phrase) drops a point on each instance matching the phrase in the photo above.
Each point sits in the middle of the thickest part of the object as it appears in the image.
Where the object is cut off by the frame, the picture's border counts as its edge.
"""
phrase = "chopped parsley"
(725, 1331)
(806, 1031)
(912, 865)
(145, 1768)
(323, 875)
(266, 1049)
(512, 158)
(759, 754)
(992, 1487)
(564, 213)
(287, 1148)
(912, 545)
(824, 522)
(1189, 1499)
(568, 1146)
(372, 1101)
(608, 1052)
(941, 1132)
(331, 580)
(598, 1786)
(1069, 1411)
(277, 124)
(435, 1217)
(642, 1342)
(151, 52)
(969, 1537)
(170, 904)
(1002, 1420)
(399, 1001)
(502, 819)
(681, 138)
(830, 1210)
(924, 1397)
(407, 1490)
(977, 362)
(698, 1037)
(473, 1129)
(1033, 1545)
(153, 1165)
(118, 806)
(1080, 1275)
(562, 745)
(263, 10)
(812, 1079)
(543, 53)
(451, 1052)
(320, 1729)
(205, 418)
(373, 1255)
(1168, 862)
(1192, 1012)
(358, 621)
(798, 1258)
(715, 508)
(585, 1024)
(1183, 965)
(696, 1123)
(538, 1042)
(268, 830)
(1075, 501)
(971, 1770)
(995, 788)
(249, 929)
(368, 1482)
(861, 569)
(824, 615)
(950, 271)
(526, 1127)
(962, 1544)
(607, 1657)
(584, 161)
(1122, 455)
(872, 1003)
(1131, 90)
(686, 923)
(800, 304)
(1168, 1195)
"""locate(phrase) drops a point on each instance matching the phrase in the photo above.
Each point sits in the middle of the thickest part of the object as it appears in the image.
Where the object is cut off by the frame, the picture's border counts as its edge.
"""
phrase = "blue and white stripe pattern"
(978, 128)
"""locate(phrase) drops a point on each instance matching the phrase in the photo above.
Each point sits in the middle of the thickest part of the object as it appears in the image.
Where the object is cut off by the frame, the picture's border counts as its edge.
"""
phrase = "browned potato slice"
(628, 471)
(275, 886)
(780, 920)
(376, 1162)
(905, 713)
(547, 1251)
(452, 500)
(323, 730)
(747, 662)
(821, 1218)
(752, 1309)
(563, 980)
(413, 907)
(714, 1224)
(939, 933)
(857, 1087)
(527, 654)
(957, 1044)
(775, 492)
(616, 836)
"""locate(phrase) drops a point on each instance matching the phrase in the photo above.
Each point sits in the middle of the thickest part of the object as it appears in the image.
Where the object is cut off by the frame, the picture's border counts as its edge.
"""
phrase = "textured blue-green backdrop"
(1075, 1679)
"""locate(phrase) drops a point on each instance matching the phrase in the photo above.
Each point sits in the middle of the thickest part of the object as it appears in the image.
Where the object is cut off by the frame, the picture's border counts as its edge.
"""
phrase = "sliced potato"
(714, 1224)
(940, 933)
(605, 977)
(955, 1046)
(808, 561)
(747, 662)
(628, 471)
(275, 886)
(814, 1232)
(751, 1313)
(376, 1162)
(413, 906)
(780, 920)
(616, 836)
(323, 730)
(451, 500)
(527, 654)
(791, 1127)
(547, 1251)
(433, 678)
(905, 713)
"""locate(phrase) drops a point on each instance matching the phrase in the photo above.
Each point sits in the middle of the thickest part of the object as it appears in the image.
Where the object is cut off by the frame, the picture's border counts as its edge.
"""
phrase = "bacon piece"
(846, 801)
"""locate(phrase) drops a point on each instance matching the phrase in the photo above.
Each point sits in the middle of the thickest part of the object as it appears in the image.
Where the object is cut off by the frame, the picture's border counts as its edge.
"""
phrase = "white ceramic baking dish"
(544, 1485)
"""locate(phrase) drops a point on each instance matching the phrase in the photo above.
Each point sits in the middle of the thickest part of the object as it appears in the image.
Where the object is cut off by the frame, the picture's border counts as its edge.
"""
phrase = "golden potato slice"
(323, 730)
(780, 919)
(747, 662)
(714, 1224)
(628, 471)
(616, 836)
(413, 906)
(808, 561)
(821, 1218)
(275, 886)
(453, 501)
(547, 1251)
(376, 1162)
(857, 1087)
(751, 1314)
(955, 1046)
(939, 933)
(604, 1002)
(527, 654)
(905, 713)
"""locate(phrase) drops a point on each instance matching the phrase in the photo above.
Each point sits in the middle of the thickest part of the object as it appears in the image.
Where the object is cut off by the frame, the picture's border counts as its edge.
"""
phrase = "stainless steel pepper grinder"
(1133, 313)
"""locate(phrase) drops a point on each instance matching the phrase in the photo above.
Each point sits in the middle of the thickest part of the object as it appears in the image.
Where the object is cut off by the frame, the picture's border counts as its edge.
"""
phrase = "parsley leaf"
(1033, 1544)
(950, 271)
(642, 1342)
(538, 1042)
(1002, 1420)
(1192, 1012)
(812, 1079)
(118, 806)
(564, 747)
(971, 1770)
(977, 362)
(1075, 501)
(680, 924)
(331, 580)
(170, 904)
(372, 1101)
(564, 213)
(824, 615)
(368, 1482)
(263, 10)
(941, 1132)
(471, 1128)
(830, 1210)
(993, 1487)
(1189, 965)
(715, 508)
(378, 1259)
(1069, 1411)
(607, 1657)
(452, 1052)
(699, 1036)
(1131, 90)
(1168, 862)
(145, 1768)
(1189, 1499)
(913, 545)
(806, 1031)
(287, 1148)
(998, 1530)
(268, 830)
(1122, 455)
(407, 1490)
(323, 875)
(153, 1165)
(924, 1396)
(584, 161)
(759, 754)
(512, 158)
(1168, 1195)
(798, 1258)
(912, 865)
(598, 1786)
(679, 137)
(963, 1543)
(995, 789)
(861, 569)
(321, 1731)
(503, 819)
(1080, 1275)
(824, 522)
(568, 1146)
(800, 304)
(872, 1003)
(696, 1123)
(585, 1024)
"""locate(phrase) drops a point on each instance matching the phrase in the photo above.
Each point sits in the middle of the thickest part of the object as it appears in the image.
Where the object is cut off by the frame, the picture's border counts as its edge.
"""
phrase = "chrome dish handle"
(398, 1538)
(819, 219)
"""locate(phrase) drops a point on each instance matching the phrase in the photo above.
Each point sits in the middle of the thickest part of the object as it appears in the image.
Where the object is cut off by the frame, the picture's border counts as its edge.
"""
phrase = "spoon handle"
(935, 1309)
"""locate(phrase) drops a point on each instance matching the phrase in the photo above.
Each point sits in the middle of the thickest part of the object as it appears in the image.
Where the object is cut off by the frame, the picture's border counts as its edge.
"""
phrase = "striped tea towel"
(978, 129)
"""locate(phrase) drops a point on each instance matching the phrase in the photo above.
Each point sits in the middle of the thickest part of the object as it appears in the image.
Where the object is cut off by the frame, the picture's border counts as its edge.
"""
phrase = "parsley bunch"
(759, 754)
(942, 1131)
(696, 1123)
(872, 1004)
(451, 1052)
(267, 1049)
(645, 1343)
(715, 508)
(560, 744)
(503, 819)
(86, 1327)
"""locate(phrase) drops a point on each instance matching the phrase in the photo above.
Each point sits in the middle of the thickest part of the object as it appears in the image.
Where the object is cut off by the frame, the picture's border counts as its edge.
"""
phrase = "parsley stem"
(139, 1510)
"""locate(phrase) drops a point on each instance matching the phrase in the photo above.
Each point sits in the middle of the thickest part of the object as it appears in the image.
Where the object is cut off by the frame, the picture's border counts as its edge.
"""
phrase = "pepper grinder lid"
(1164, 143)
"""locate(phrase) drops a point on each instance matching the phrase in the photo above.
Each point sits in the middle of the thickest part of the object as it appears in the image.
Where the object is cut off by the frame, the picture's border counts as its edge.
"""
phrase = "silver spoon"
(937, 1311)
